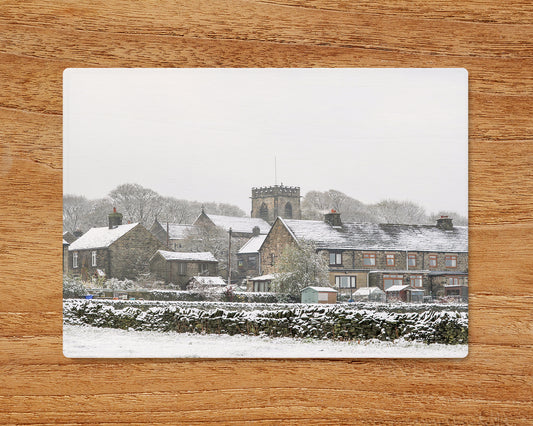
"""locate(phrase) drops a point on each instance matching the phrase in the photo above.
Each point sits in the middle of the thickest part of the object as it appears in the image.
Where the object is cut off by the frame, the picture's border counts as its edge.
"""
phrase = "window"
(432, 260)
(390, 259)
(182, 268)
(75, 259)
(411, 260)
(453, 281)
(252, 261)
(345, 281)
(263, 212)
(369, 259)
(272, 259)
(451, 261)
(288, 211)
(93, 258)
(390, 280)
(204, 268)
(240, 263)
(416, 281)
(335, 258)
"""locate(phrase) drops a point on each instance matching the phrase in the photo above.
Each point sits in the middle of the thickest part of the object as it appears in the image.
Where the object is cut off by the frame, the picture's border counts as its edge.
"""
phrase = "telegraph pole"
(229, 257)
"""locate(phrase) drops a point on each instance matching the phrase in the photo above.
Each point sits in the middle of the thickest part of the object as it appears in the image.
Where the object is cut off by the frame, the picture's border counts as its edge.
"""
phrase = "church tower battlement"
(269, 202)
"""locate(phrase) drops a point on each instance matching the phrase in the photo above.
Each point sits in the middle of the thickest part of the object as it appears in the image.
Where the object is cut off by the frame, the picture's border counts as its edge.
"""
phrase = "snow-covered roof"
(268, 277)
(366, 291)
(322, 289)
(210, 281)
(239, 224)
(205, 256)
(65, 242)
(252, 245)
(373, 236)
(396, 288)
(177, 231)
(100, 237)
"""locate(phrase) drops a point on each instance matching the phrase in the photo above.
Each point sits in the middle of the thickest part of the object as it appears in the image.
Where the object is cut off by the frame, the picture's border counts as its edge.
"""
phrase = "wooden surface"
(492, 39)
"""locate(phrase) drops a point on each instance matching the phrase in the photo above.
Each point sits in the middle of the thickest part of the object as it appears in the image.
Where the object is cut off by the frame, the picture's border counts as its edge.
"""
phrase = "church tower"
(269, 202)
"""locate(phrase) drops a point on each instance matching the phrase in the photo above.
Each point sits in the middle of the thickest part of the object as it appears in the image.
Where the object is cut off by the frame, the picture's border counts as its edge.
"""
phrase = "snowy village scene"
(265, 213)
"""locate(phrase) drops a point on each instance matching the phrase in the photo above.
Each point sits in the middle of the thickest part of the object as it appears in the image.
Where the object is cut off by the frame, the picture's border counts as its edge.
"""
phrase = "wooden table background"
(491, 38)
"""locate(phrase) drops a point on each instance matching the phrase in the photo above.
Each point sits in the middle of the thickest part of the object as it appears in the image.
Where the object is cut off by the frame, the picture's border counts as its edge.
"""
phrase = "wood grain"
(492, 39)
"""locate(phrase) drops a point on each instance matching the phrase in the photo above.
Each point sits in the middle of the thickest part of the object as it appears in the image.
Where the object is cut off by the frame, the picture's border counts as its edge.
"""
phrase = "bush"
(73, 288)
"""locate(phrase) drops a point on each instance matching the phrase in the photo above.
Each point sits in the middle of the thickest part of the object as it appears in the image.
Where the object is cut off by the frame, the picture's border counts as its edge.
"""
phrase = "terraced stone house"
(432, 258)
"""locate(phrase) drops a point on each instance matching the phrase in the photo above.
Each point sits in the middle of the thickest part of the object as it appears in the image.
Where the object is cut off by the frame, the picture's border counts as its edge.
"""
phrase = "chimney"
(115, 219)
(256, 231)
(333, 218)
(445, 223)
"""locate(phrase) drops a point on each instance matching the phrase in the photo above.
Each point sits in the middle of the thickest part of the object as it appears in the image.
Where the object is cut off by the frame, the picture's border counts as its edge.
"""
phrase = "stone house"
(427, 257)
(248, 261)
(179, 267)
(114, 251)
(175, 236)
(241, 227)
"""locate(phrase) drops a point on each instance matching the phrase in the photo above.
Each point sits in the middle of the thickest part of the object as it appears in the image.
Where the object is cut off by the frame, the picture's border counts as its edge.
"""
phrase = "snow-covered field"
(90, 342)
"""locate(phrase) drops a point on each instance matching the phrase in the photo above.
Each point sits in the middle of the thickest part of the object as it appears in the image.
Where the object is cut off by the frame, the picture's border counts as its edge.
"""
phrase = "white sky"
(212, 134)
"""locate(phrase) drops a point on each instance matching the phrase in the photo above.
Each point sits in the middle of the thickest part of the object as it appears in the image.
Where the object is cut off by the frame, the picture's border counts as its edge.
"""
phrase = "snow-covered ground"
(92, 342)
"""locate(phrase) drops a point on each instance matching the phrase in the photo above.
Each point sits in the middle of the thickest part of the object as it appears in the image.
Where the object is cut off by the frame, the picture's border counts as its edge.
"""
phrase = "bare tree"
(404, 212)
(75, 208)
(138, 204)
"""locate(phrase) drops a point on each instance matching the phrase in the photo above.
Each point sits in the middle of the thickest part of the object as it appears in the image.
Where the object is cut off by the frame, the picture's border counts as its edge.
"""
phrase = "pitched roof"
(397, 287)
(199, 256)
(366, 291)
(267, 277)
(252, 245)
(100, 237)
(239, 224)
(373, 236)
(177, 231)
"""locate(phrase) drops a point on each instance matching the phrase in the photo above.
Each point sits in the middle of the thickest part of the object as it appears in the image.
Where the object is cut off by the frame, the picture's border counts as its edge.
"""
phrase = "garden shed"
(319, 295)
(370, 294)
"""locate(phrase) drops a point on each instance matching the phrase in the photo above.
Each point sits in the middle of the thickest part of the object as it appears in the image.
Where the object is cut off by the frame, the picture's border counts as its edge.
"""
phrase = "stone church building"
(269, 202)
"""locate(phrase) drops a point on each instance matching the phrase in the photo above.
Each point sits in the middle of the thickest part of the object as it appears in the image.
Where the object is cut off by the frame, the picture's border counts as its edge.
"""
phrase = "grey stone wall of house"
(170, 271)
(130, 255)
(272, 201)
(85, 268)
(354, 259)
(248, 265)
(273, 246)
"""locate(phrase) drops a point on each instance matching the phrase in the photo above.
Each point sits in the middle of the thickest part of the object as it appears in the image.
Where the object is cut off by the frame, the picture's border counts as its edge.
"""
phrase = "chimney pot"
(445, 223)
(115, 219)
(333, 218)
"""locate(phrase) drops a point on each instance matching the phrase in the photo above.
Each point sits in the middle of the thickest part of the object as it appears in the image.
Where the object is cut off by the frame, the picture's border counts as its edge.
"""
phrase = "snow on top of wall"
(373, 236)
(200, 256)
(252, 245)
(100, 237)
(239, 224)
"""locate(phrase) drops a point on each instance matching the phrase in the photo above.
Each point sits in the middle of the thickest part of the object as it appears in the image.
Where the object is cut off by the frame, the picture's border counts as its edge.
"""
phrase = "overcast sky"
(213, 134)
